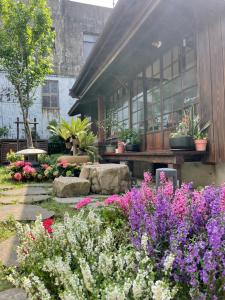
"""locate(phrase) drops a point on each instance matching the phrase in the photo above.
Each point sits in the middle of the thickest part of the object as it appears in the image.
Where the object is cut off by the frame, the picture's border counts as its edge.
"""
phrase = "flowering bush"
(23, 171)
(189, 224)
(84, 259)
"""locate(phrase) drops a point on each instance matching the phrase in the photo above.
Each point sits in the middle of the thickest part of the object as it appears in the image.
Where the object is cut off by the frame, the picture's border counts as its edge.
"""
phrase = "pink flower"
(147, 177)
(97, 203)
(83, 202)
(19, 163)
(111, 199)
(45, 166)
(29, 170)
(18, 176)
(162, 177)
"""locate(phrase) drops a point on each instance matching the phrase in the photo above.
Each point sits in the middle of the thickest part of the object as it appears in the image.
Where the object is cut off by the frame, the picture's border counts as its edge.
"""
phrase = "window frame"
(50, 94)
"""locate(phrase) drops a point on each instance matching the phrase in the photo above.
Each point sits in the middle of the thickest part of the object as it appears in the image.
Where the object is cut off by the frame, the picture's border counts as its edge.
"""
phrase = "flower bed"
(24, 171)
(174, 248)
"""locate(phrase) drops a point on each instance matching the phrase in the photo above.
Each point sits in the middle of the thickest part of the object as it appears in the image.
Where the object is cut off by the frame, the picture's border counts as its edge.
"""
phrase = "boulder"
(64, 187)
(77, 159)
(107, 179)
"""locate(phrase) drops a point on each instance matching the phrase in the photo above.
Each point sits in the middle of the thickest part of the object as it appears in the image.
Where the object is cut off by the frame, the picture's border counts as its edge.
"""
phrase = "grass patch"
(59, 208)
(7, 229)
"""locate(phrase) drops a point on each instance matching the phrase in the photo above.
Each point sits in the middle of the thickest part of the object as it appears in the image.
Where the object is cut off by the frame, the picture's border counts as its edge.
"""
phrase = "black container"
(132, 147)
(182, 143)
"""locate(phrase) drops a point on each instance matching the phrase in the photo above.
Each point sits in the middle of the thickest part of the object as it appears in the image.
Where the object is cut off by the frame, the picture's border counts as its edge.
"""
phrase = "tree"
(26, 44)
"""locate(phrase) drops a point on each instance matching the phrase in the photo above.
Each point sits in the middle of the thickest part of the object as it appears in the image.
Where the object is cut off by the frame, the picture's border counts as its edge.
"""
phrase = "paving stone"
(27, 191)
(8, 254)
(39, 184)
(25, 212)
(23, 199)
(74, 200)
(64, 187)
(5, 187)
(13, 294)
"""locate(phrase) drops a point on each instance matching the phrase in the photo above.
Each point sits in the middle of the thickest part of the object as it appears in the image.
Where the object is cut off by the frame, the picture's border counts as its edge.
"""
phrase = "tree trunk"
(27, 129)
(74, 141)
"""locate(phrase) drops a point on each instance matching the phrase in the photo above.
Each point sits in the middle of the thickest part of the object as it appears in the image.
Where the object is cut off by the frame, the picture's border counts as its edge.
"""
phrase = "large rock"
(107, 179)
(65, 187)
(76, 159)
(13, 294)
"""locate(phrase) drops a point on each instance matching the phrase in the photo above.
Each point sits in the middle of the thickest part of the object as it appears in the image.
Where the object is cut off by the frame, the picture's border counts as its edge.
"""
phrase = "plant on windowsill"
(200, 134)
(131, 139)
(107, 127)
(181, 138)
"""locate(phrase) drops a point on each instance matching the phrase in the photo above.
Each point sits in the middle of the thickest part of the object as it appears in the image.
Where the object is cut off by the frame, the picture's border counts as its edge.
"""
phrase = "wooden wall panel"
(204, 82)
(217, 79)
(154, 141)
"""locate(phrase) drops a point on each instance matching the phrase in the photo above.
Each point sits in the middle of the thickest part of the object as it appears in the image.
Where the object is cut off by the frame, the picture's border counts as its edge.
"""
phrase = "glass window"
(89, 40)
(171, 85)
(137, 103)
(50, 94)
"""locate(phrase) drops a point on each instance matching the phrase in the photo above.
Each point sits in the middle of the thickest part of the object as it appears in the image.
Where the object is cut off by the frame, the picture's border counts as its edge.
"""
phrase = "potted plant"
(181, 138)
(130, 138)
(200, 134)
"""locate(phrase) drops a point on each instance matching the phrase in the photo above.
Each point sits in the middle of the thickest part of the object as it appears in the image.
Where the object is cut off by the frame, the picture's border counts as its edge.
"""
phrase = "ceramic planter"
(182, 143)
(121, 147)
(110, 148)
(132, 147)
(200, 145)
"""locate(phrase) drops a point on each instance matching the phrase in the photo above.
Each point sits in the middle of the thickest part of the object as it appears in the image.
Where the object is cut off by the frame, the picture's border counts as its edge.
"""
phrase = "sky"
(107, 3)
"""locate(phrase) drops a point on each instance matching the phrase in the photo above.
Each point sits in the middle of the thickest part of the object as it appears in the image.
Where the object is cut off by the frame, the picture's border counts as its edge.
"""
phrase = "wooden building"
(154, 59)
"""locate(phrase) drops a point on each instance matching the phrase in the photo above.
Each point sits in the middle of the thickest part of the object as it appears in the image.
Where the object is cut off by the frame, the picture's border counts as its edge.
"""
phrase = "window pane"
(167, 59)
(46, 87)
(91, 38)
(156, 67)
(175, 53)
(54, 87)
(189, 78)
(189, 59)
(46, 101)
(54, 101)
(167, 74)
(176, 69)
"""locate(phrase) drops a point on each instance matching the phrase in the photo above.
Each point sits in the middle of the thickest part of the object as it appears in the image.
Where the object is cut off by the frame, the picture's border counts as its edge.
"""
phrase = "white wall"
(10, 110)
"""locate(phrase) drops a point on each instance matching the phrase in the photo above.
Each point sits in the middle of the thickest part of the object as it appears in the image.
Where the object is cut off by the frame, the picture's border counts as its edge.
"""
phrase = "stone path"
(25, 212)
(74, 200)
(8, 254)
(26, 199)
(13, 294)
(27, 191)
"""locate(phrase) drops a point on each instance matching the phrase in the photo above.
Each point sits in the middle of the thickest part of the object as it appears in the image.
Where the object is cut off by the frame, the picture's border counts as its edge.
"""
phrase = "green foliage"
(130, 135)
(86, 142)
(200, 132)
(60, 130)
(76, 126)
(26, 43)
(7, 228)
(4, 131)
(11, 156)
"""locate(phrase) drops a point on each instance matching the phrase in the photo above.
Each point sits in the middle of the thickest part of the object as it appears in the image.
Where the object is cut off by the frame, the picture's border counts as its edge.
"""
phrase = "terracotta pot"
(121, 147)
(110, 148)
(200, 145)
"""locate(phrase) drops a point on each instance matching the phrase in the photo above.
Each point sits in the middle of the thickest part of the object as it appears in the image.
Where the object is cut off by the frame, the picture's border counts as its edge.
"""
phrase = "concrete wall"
(71, 20)
(220, 173)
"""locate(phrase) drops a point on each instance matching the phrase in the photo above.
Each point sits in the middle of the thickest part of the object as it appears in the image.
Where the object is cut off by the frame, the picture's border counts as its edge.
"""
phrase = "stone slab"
(74, 200)
(65, 187)
(13, 294)
(26, 199)
(27, 191)
(39, 184)
(8, 254)
(25, 212)
(107, 178)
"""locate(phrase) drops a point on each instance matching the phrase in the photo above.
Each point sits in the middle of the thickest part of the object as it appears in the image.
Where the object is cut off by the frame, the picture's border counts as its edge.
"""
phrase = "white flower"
(168, 263)
(161, 291)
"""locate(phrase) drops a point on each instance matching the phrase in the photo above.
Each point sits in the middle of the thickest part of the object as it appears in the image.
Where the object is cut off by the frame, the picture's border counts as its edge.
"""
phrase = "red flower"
(18, 176)
(19, 163)
(45, 166)
(48, 225)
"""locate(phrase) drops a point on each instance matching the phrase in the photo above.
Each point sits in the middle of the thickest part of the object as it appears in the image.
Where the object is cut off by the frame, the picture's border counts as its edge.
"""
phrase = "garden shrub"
(24, 171)
(84, 259)
(190, 225)
(11, 156)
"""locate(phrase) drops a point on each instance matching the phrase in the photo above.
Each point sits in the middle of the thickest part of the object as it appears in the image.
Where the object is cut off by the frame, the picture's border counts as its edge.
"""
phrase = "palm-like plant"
(60, 131)
(86, 144)
(75, 128)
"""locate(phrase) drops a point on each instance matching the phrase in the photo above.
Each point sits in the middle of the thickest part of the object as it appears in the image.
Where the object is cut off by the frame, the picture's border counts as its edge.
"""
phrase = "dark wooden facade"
(170, 22)
(6, 145)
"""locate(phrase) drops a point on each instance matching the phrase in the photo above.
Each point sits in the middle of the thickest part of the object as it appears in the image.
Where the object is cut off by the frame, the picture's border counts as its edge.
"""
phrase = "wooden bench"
(174, 159)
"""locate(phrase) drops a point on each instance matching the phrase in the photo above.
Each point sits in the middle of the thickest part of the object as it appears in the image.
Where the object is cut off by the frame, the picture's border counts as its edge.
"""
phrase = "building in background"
(77, 28)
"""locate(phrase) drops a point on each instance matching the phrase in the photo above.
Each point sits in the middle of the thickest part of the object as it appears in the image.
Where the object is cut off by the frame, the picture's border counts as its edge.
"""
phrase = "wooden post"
(101, 135)
(17, 133)
(35, 131)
